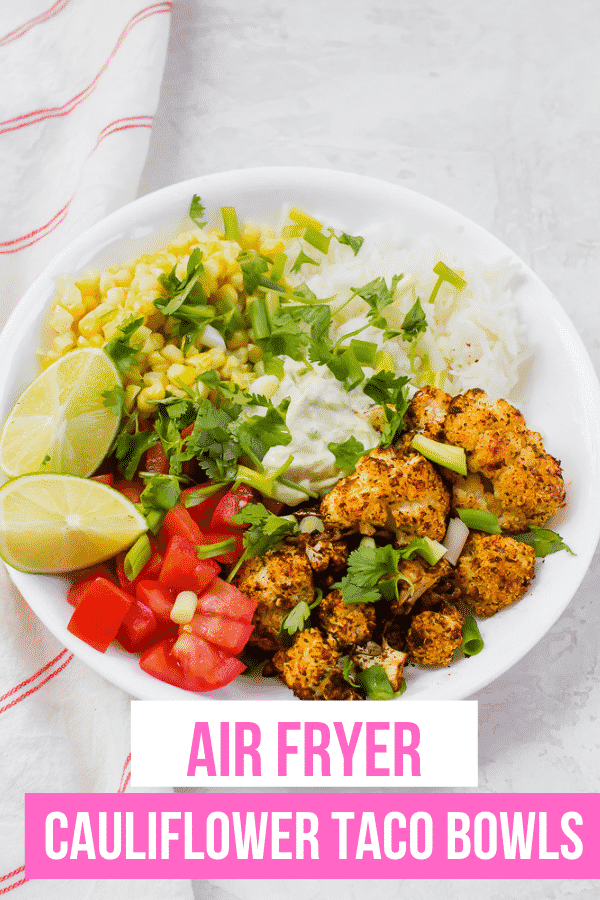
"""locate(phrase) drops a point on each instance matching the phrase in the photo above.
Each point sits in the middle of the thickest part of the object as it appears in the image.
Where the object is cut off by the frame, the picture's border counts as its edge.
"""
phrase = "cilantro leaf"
(129, 449)
(184, 299)
(265, 532)
(347, 453)
(123, 353)
(374, 573)
(377, 294)
(544, 541)
(414, 323)
(296, 619)
(114, 399)
(161, 492)
(301, 259)
(355, 242)
(197, 211)
(390, 392)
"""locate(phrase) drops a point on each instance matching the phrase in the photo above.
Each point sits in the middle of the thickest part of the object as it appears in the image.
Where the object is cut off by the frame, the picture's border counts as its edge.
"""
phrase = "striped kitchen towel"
(79, 85)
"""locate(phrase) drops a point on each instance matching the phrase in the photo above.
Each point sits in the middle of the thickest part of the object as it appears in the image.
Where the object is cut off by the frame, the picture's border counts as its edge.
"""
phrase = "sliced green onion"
(447, 455)
(543, 540)
(472, 641)
(154, 518)
(384, 362)
(317, 239)
(203, 493)
(292, 231)
(259, 319)
(263, 483)
(278, 266)
(375, 682)
(230, 222)
(302, 218)
(431, 551)
(137, 556)
(480, 520)
(207, 551)
(365, 351)
(446, 274)
(298, 487)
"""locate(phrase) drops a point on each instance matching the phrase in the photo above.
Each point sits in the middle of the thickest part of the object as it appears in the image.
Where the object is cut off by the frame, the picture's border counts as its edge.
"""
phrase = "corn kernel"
(150, 378)
(227, 292)
(157, 362)
(61, 320)
(63, 342)
(175, 371)
(148, 395)
(241, 355)
(88, 282)
(107, 281)
(115, 295)
(255, 353)
(97, 340)
(172, 353)
(131, 392)
(154, 342)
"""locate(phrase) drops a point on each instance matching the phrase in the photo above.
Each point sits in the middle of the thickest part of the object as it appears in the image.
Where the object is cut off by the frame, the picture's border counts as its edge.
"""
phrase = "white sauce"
(320, 412)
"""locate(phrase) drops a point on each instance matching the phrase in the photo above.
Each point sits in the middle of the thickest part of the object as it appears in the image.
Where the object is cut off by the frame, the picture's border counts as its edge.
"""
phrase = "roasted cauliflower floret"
(493, 571)
(390, 489)
(427, 412)
(524, 483)
(391, 660)
(421, 577)
(434, 635)
(276, 582)
(324, 551)
(346, 624)
(309, 668)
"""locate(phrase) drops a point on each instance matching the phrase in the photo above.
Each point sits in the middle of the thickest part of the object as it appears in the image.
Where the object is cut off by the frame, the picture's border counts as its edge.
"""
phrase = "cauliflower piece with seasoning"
(421, 577)
(427, 412)
(276, 582)
(310, 668)
(524, 483)
(347, 625)
(324, 551)
(391, 660)
(390, 489)
(434, 635)
(494, 571)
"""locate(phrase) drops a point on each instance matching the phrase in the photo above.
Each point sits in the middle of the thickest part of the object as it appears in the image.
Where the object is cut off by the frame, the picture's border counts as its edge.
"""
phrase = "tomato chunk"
(158, 598)
(225, 600)
(202, 512)
(138, 627)
(179, 522)
(190, 663)
(156, 460)
(230, 634)
(77, 589)
(130, 489)
(106, 478)
(150, 571)
(98, 616)
(230, 505)
(183, 571)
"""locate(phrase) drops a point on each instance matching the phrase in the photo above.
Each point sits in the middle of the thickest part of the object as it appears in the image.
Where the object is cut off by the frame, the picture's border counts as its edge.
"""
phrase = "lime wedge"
(58, 523)
(60, 422)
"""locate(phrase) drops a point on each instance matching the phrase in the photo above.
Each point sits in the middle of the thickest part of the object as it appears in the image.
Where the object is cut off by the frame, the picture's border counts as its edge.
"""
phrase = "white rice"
(473, 335)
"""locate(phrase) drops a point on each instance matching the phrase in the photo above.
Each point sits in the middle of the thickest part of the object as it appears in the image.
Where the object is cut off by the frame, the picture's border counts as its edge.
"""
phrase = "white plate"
(562, 398)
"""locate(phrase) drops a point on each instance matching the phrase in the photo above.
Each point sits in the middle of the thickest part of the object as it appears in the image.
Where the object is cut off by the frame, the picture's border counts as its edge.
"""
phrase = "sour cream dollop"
(320, 412)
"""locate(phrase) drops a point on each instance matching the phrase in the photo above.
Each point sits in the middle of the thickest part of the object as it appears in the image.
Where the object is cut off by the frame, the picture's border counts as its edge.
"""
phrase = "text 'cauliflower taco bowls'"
(291, 455)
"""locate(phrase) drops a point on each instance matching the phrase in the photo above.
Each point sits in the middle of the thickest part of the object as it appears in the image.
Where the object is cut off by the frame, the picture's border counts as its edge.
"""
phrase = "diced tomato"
(138, 627)
(190, 663)
(107, 478)
(158, 598)
(156, 460)
(216, 537)
(150, 571)
(130, 489)
(202, 512)
(229, 634)
(229, 506)
(204, 664)
(224, 599)
(99, 613)
(183, 571)
(179, 521)
(274, 506)
(77, 589)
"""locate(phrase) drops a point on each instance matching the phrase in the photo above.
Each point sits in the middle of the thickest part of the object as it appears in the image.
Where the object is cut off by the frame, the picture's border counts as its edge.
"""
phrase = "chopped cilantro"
(114, 399)
(390, 392)
(197, 211)
(301, 259)
(355, 242)
(123, 353)
(129, 449)
(414, 323)
(265, 532)
(185, 301)
(377, 294)
(347, 453)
